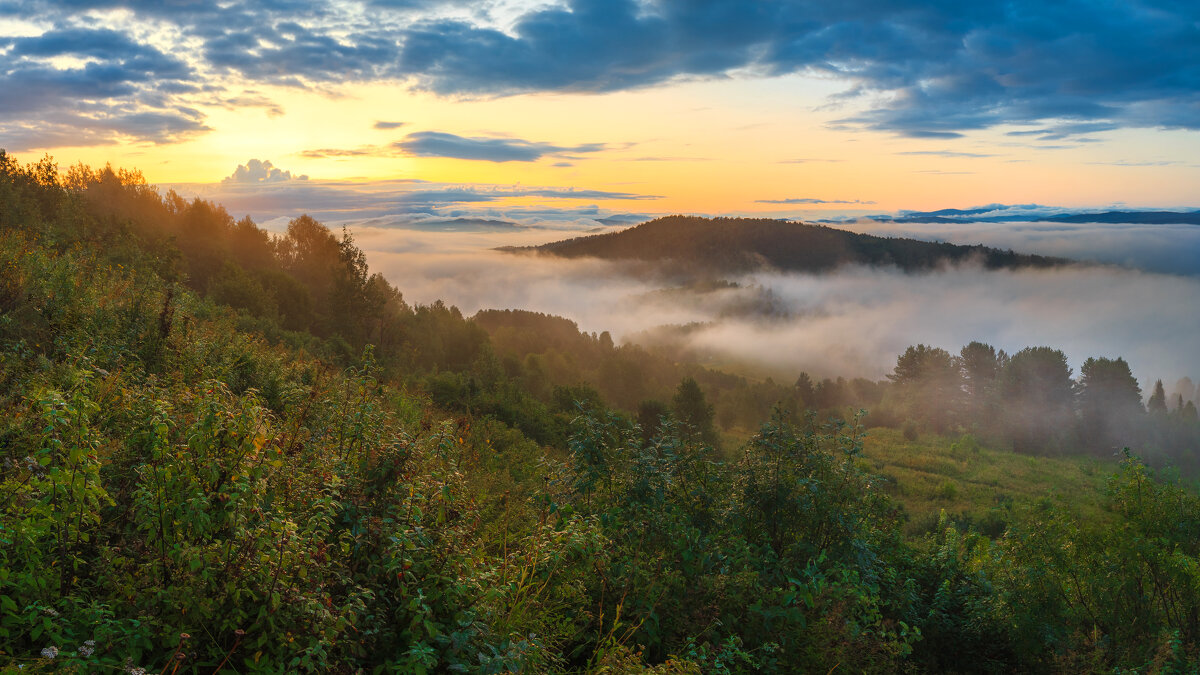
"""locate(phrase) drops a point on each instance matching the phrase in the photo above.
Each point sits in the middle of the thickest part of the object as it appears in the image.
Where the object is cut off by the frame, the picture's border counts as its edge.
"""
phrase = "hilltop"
(748, 244)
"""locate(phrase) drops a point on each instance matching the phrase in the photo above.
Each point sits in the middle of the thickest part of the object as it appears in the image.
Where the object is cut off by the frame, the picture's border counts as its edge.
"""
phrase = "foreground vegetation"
(187, 487)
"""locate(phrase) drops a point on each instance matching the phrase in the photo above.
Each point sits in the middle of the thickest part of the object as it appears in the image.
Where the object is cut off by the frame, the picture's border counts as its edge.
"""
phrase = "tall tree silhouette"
(1110, 404)
(927, 378)
(693, 409)
(1038, 399)
(1157, 405)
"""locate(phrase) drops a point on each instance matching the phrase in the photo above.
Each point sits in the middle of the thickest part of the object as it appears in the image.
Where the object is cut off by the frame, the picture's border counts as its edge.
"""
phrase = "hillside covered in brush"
(228, 451)
(732, 245)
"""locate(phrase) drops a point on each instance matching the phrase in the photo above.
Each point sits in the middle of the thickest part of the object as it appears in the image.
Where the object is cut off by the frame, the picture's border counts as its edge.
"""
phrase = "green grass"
(977, 484)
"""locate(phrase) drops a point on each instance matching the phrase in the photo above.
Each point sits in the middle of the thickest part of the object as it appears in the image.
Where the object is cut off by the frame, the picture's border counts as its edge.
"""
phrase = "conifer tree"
(694, 410)
(1158, 400)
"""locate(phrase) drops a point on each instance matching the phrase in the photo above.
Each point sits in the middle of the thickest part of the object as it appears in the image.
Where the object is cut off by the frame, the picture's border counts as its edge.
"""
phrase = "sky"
(796, 108)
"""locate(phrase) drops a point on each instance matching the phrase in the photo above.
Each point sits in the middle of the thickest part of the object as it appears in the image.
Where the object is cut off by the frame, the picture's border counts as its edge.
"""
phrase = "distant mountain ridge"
(1135, 217)
(732, 245)
(976, 215)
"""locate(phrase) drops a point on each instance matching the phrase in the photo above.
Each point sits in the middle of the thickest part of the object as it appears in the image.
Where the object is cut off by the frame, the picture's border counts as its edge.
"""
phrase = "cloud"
(325, 153)
(943, 153)
(441, 144)
(291, 54)
(82, 86)
(256, 172)
(1125, 162)
(669, 159)
(250, 99)
(810, 200)
(262, 191)
(946, 67)
(1064, 131)
(388, 125)
(1068, 70)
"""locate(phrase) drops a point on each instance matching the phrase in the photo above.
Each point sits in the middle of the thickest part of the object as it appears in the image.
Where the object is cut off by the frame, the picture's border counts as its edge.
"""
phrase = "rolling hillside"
(686, 243)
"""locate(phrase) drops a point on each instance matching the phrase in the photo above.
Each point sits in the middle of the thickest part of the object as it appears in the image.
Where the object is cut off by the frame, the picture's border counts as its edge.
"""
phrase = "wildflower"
(50, 652)
(88, 648)
(50, 611)
(32, 466)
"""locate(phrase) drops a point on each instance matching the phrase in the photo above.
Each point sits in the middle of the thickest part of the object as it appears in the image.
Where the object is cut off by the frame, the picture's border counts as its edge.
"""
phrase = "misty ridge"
(849, 320)
(726, 305)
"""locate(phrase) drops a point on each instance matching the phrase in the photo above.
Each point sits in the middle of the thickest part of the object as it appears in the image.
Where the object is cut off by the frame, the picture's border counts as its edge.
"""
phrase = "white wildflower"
(50, 652)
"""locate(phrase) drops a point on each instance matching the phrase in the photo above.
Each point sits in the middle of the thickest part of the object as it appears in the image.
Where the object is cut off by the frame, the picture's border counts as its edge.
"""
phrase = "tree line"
(1031, 401)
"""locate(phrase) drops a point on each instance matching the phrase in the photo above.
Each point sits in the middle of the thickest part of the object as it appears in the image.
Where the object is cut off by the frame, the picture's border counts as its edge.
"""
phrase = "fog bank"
(1172, 249)
(853, 322)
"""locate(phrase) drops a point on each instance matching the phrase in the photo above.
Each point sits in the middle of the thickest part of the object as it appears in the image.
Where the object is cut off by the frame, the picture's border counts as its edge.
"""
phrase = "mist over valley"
(850, 320)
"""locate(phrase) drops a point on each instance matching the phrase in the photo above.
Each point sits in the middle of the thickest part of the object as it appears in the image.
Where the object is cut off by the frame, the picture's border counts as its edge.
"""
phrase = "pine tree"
(1110, 404)
(1158, 400)
(694, 410)
(1189, 412)
(806, 390)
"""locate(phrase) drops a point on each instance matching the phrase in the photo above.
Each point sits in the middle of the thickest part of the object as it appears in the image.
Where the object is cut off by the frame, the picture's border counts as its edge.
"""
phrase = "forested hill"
(745, 244)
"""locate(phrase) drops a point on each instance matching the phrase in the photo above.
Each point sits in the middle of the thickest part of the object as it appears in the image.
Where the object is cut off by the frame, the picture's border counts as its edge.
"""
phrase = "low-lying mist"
(853, 322)
(1173, 249)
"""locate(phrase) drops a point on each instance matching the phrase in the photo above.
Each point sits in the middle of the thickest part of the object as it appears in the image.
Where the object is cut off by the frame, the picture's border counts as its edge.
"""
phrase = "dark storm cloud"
(440, 144)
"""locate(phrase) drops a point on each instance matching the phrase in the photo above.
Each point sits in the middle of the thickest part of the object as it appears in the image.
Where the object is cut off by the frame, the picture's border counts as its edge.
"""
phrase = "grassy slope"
(960, 476)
